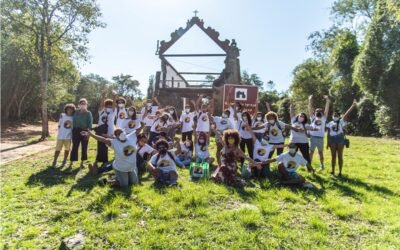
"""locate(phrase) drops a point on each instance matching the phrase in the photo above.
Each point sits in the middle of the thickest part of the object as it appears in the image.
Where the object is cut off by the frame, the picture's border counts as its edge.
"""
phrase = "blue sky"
(272, 35)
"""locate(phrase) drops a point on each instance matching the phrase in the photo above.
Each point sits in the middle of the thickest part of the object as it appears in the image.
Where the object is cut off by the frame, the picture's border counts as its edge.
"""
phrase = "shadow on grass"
(86, 184)
(52, 176)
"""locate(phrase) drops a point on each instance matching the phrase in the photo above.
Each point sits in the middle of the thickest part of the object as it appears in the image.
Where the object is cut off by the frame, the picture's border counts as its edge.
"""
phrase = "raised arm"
(268, 106)
(197, 106)
(327, 104)
(292, 110)
(310, 106)
(353, 106)
(97, 137)
(157, 102)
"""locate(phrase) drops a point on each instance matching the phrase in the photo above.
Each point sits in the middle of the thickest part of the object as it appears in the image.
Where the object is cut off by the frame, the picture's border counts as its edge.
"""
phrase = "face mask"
(201, 141)
(301, 119)
(162, 151)
(231, 141)
(122, 137)
(259, 118)
(271, 121)
(335, 118)
(148, 105)
(224, 115)
(244, 119)
(130, 113)
(171, 112)
(108, 110)
(264, 142)
(121, 105)
(187, 110)
(292, 150)
(188, 144)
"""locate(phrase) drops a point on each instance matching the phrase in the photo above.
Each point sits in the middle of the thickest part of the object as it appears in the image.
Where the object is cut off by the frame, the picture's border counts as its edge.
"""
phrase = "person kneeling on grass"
(162, 165)
(125, 151)
(289, 162)
(184, 152)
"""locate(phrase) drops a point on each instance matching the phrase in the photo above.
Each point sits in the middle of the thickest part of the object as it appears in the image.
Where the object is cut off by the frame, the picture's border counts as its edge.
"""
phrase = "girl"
(187, 123)
(162, 165)
(221, 124)
(299, 134)
(125, 150)
(275, 130)
(121, 112)
(259, 126)
(149, 114)
(246, 139)
(160, 125)
(64, 134)
(82, 121)
(336, 137)
(203, 117)
(184, 152)
(202, 153)
(173, 121)
(133, 122)
(144, 153)
(231, 155)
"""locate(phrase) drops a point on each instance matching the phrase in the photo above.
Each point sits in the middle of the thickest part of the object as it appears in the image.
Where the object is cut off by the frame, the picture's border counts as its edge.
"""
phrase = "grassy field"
(41, 206)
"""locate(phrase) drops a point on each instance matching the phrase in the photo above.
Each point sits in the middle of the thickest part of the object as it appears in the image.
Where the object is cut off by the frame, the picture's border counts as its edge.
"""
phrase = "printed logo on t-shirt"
(274, 132)
(67, 124)
(132, 124)
(334, 127)
(164, 163)
(104, 119)
(261, 151)
(291, 164)
(187, 119)
(122, 115)
(204, 118)
(224, 122)
(259, 126)
(318, 122)
(158, 128)
(203, 148)
(129, 150)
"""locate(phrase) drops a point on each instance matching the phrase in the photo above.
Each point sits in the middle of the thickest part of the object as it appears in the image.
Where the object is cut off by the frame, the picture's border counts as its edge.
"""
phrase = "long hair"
(305, 118)
(133, 117)
(262, 117)
(231, 133)
(248, 116)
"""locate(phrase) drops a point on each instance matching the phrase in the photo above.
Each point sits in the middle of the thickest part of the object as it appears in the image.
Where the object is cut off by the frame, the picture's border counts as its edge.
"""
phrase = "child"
(173, 121)
(121, 112)
(245, 132)
(149, 114)
(144, 153)
(259, 126)
(133, 122)
(162, 165)
(160, 125)
(221, 124)
(203, 117)
(64, 135)
(202, 154)
(184, 152)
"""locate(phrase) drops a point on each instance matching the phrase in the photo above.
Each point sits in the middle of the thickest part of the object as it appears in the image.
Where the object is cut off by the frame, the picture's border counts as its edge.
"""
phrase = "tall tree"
(126, 86)
(48, 22)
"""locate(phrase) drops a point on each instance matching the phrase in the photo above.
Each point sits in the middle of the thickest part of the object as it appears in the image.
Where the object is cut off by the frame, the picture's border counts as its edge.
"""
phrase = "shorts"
(63, 142)
(337, 139)
(317, 142)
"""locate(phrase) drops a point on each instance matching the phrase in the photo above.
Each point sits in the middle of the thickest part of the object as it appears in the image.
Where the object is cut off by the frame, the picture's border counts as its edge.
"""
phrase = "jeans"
(126, 178)
(263, 172)
(182, 161)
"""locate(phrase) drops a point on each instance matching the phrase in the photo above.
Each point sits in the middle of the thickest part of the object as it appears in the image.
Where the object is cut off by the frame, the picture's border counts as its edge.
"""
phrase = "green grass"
(41, 206)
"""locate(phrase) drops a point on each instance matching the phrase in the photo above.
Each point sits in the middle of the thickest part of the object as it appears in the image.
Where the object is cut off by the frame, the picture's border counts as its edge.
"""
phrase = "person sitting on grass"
(64, 135)
(184, 152)
(125, 151)
(201, 145)
(231, 155)
(144, 153)
(162, 165)
(288, 163)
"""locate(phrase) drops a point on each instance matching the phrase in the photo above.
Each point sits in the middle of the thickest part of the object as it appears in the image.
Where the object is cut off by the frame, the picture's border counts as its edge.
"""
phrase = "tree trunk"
(44, 77)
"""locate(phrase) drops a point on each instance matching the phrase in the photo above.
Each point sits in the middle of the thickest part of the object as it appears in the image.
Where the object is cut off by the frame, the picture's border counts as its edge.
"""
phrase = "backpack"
(199, 170)
(170, 155)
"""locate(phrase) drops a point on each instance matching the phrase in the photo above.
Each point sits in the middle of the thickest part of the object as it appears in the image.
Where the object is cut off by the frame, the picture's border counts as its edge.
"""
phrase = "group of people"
(145, 140)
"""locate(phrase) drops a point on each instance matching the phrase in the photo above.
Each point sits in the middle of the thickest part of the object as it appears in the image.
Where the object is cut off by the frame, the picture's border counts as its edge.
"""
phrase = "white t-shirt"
(202, 152)
(187, 121)
(150, 111)
(299, 137)
(122, 115)
(222, 124)
(259, 127)
(158, 125)
(165, 163)
(203, 123)
(130, 125)
(125, 154)
(320, 124)
(332, 125)
(261, 152)
(275, 134)
(185, 151)
(291, 163)
(242, 131)
(146, 148)
(109, 118)
(65, 127)
(232, 119)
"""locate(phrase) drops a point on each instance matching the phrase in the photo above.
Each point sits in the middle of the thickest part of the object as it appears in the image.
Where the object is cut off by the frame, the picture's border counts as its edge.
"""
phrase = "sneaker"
(308, 185)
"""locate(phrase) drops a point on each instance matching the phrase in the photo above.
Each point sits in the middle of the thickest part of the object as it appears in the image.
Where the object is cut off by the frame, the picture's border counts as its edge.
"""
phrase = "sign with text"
(246, 95)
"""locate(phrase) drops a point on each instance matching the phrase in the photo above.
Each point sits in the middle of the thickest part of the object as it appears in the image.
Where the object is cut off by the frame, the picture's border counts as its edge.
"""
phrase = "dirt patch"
(14, 139)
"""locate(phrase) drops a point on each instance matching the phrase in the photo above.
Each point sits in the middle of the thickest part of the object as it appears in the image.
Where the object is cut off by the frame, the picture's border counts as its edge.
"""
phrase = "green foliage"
(125, 86)
(384, 120)
(252, 79)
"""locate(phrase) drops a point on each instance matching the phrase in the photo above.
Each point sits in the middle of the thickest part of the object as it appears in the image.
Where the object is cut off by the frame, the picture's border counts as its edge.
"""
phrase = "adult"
(82, 121)
(336, 140)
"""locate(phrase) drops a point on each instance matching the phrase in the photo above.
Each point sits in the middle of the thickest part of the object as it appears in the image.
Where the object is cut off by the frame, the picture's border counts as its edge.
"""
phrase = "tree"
(126, 86)
(252, 79)
(49, 23)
